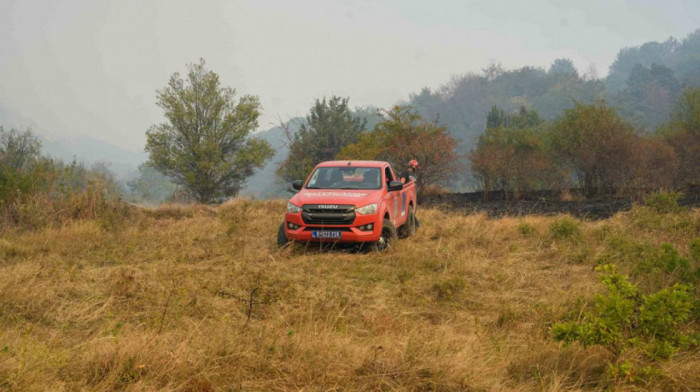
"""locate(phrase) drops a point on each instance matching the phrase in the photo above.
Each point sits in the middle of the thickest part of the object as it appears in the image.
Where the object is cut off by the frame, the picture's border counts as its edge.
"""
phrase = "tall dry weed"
(195, 298)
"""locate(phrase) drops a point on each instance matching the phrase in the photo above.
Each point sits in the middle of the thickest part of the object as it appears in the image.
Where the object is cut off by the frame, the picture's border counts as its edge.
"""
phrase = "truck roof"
(352, 163)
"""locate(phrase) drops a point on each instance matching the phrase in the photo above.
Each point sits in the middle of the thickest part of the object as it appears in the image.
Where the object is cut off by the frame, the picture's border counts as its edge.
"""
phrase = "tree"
(18, 149)
(649, 94)
(522, 119)
(20, 155)
(151, 185)
(402, 136)
(594, 142)
(510, 154)
(205, 146)
(495, 118)
(563, 67)
(683, 134)
(654, 164)
(330, 126)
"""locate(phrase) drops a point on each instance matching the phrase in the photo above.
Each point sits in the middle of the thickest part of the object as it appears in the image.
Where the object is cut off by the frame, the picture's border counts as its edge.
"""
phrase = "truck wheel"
(282, 239)
(409, 228)
(387, 237)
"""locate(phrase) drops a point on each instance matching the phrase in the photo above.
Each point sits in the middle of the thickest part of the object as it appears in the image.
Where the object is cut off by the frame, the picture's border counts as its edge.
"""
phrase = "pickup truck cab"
(361, 202)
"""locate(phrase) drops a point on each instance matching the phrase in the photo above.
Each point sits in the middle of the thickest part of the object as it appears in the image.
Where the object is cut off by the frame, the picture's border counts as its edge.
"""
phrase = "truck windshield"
(345, 177)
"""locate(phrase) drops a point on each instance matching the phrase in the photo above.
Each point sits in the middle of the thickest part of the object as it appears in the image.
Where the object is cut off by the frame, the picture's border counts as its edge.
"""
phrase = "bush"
(625, 319)
(667, 261)
(664, 202)
(661, 211)
(50, 192)
(564, 228)
(695, 249)
(526, 229)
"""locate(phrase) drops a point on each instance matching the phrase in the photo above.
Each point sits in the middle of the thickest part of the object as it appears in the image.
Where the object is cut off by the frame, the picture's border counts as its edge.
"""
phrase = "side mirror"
(395, 186)
(297, 184)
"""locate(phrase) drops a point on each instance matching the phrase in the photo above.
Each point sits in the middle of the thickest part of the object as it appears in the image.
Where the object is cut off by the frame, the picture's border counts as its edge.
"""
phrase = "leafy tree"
(563, 67)
(511, 155)
(205, 146)
(402, 136)
(151, 185)
(649, 94)
(522, 119)
(20, 164)
(18, 149)
(330, 126)
(683, 134)
(495, 118)
(644, 55)
(595, 143)
(687, 60)
(654, 165)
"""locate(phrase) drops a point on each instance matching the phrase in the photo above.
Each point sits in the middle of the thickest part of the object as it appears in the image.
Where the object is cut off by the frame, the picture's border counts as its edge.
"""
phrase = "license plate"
(326, 234)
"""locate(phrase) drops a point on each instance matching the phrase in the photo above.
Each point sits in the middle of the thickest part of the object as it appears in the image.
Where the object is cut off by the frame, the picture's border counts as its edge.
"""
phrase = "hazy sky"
(91, 67)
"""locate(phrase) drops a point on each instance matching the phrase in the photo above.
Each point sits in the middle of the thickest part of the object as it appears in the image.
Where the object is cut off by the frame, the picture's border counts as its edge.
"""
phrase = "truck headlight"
(367, 210)
(291, 208)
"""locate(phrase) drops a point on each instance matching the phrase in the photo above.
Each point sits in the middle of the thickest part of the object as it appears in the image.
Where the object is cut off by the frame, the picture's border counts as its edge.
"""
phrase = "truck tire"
(388, 236)
(282, 239)
(409, 228)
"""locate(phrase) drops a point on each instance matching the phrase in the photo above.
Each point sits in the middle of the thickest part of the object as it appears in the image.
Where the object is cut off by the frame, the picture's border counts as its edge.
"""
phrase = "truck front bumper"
(348, 233)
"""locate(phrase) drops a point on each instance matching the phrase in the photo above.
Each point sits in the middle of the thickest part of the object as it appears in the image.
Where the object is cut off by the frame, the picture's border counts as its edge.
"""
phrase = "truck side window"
(389, 175)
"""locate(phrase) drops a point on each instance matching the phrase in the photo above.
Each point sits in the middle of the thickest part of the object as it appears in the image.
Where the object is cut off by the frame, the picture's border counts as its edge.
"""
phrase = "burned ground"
(499, 204)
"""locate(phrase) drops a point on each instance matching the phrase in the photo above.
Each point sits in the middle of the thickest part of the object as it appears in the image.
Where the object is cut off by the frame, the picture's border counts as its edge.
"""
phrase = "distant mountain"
(122, 162)
(644, 84)
(264, 183)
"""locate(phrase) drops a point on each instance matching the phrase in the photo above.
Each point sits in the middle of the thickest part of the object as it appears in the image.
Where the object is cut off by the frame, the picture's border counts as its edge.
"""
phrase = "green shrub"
(664, 215)
(695, 249)
(666, 260)
(526, 229)
(564, 228)
(664, 202)
(624, 318)
(51, 192)
(625, 249)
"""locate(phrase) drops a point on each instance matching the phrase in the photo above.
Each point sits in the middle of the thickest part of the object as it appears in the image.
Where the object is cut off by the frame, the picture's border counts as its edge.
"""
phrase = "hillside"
(161, 300)
(643, 83)
(121, 162)
(264, 183)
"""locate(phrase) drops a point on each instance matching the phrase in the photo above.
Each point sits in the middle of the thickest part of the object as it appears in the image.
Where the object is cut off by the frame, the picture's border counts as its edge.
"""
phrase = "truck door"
(392, 198)
(400, 199)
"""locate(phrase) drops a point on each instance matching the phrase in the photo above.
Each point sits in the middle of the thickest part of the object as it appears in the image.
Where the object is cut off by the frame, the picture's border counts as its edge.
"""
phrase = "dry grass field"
(161, 300)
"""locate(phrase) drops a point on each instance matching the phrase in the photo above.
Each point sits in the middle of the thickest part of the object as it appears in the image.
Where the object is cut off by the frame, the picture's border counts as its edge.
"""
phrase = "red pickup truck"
(361, 202)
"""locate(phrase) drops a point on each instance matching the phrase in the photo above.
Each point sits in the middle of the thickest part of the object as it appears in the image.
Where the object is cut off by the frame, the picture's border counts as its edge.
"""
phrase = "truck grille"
(327, 214)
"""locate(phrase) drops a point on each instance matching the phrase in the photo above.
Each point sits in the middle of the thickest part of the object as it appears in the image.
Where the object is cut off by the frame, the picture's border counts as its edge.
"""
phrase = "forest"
(505, 130)
(644, 89)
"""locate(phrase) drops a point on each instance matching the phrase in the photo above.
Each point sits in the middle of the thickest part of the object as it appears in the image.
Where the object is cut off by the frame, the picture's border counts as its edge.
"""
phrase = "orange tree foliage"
(654, 165)
(683, 134)
(513, 160)
(402, 136)
(596, 144)
(589, 143)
